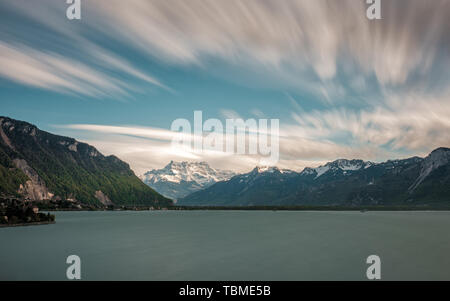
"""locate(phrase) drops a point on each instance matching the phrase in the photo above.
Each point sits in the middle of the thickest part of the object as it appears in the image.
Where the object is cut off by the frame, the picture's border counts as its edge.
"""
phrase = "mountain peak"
(340, 182)
(177, 179)
(38, 165)
(437, 158)
(346, 164)
(441, 150)
(269, 169)
(199, 172)
(343, 165)
(262, 169)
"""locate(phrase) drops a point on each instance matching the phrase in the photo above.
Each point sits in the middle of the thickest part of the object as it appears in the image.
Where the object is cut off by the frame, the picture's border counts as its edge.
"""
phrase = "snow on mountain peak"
(340, 164)
(199, 172)
(261, 169)
(178, 179)
(321, 170)
(270, 169)
(345, 164)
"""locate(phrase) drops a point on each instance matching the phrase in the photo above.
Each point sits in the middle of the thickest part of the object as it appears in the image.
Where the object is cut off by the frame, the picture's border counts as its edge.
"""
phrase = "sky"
(342, 86)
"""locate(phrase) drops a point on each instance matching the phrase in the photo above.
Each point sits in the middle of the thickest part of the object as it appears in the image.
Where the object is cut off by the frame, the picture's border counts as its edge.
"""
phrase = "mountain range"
(179, 179)
(413, 181)
(37, 165)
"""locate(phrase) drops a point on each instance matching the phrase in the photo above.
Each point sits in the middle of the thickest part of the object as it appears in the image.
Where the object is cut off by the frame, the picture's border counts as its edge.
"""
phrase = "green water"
(230, 245)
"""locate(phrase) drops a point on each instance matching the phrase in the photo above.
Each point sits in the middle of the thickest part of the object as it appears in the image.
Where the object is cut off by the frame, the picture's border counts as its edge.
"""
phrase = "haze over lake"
(230, 245)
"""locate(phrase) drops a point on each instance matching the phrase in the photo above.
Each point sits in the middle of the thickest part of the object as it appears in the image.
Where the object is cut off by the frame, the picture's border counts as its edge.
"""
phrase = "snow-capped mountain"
(257, 187)
(413, 181)
(178, 179)
(270, 169)
(338, 167)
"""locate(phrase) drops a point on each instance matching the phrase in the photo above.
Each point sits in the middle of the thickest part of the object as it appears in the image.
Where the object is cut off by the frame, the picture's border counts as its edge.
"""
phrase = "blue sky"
(342, 86)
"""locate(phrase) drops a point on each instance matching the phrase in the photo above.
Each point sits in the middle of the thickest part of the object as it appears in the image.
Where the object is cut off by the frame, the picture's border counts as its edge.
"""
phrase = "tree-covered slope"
(39, 165)
(10, 177)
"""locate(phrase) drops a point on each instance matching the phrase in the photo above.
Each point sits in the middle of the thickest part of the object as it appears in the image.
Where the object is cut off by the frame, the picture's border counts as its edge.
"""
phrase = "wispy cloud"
(382, 85)
(300, 34)
(230, 114)
(148, 147)
(75, 64)
(412, 123)
(54, 72)
(300, 41)
(406, 125)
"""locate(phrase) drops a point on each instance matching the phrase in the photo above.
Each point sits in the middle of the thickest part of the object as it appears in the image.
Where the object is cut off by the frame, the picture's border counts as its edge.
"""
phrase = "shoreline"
(268, 208)
(313, 208)
(26, 224)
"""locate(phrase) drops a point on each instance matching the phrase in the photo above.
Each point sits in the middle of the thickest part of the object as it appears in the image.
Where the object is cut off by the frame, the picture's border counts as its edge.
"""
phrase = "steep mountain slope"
(38, 165)
(433, 182)
(260, 186)
(178, 179)
(413, 181)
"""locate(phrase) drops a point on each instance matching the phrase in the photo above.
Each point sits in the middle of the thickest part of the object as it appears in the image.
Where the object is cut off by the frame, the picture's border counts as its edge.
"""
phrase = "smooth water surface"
(230, 245)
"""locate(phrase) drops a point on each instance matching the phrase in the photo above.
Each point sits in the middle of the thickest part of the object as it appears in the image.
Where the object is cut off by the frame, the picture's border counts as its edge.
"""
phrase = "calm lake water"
(230, 245)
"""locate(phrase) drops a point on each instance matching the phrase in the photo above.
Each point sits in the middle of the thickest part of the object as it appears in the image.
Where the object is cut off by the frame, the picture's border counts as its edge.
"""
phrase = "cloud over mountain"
(360, 88)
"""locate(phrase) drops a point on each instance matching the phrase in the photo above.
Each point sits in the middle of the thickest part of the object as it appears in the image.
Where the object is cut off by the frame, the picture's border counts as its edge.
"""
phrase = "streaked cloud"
(415, 123)
(54, 72)
(76, 64)
(382, 86)
(300, 41)
(148, 147)
(302, 35)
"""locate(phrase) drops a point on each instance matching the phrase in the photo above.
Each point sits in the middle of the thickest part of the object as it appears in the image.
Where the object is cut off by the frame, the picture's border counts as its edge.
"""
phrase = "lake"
(230, 245)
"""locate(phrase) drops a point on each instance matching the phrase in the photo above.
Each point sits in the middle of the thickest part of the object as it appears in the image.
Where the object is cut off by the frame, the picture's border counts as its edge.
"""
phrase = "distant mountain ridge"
(37, 165)
(342, 165)
(178, 179)
(412, 181)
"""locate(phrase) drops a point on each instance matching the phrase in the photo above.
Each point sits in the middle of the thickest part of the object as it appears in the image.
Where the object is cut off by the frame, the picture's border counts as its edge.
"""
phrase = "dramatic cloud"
(55, 72)
(74, 65)
(300, 34)
(302, 41)
(415, 123)
(380, 88)
(51, 71)
(146, 147)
